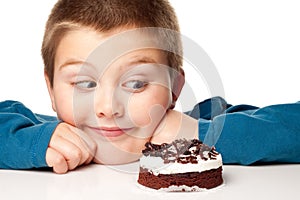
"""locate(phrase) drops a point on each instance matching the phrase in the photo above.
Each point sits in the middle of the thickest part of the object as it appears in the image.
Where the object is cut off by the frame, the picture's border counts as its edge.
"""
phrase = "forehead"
(105, 48)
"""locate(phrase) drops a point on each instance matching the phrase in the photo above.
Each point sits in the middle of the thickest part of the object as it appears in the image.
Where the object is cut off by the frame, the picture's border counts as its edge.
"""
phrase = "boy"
(108, 111)
(117, 106)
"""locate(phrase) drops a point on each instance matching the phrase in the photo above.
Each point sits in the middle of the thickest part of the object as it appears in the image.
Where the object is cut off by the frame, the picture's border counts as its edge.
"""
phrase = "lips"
(110, 131)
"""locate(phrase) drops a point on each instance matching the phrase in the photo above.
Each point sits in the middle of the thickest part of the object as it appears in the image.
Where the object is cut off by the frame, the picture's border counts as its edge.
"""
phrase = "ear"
(50, 91)
(178, 83)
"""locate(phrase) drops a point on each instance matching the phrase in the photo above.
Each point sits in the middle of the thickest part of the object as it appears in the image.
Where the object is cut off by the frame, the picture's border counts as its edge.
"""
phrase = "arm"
(29, 141)
(246, 134)
(24, 137)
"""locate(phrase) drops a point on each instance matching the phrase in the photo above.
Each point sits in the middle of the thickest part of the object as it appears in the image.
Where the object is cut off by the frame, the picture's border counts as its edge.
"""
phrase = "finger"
(80, 139)
(85, 152)
(71, 153)
(89, 160)
(85, 143)
(88, 144)
(57, 161)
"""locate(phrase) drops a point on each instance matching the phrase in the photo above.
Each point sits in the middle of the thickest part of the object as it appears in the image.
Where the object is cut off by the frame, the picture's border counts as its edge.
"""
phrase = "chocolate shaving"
(181, 151)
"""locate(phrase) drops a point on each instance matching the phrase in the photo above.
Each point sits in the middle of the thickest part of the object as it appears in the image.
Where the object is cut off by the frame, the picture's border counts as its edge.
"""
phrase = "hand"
(69, 148)
(175, 125)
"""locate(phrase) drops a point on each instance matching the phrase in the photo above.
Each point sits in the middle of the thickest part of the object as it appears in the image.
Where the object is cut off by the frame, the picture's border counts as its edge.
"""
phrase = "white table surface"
(119, 182)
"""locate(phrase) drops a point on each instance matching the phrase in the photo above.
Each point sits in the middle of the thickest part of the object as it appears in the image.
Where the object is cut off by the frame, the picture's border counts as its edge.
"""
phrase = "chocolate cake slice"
(183, 165)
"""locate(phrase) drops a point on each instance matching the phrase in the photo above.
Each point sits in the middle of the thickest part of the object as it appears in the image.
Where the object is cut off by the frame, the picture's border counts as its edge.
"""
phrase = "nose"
(108, 104)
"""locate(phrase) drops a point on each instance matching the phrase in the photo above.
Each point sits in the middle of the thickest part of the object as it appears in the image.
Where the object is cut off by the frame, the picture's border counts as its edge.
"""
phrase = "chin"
(119, 159)
(112, 154)
(119, 152)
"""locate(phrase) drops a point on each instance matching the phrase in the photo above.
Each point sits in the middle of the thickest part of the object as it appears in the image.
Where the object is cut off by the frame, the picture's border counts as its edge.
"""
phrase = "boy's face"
(119, 103)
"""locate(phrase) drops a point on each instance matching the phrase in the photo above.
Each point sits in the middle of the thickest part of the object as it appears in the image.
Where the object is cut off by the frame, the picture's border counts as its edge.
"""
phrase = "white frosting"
(157, 166)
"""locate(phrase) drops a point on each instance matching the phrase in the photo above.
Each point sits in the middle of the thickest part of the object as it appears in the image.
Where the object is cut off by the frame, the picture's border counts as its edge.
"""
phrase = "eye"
(85, 84)
(135, 85)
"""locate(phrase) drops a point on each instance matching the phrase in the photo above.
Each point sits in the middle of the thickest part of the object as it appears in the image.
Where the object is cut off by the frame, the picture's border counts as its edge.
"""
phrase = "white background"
(275, 182)
(255, 46)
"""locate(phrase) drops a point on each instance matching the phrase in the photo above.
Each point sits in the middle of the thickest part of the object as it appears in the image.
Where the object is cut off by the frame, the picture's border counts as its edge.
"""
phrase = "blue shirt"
(246, 134)
(243, 134)
(24, 136)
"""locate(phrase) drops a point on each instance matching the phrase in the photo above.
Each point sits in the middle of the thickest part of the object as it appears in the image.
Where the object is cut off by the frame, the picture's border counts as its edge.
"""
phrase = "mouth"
(110, 131)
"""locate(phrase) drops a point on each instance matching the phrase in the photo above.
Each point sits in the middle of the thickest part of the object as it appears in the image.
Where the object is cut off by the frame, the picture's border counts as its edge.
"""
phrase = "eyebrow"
(139, 60)
(134, 61)
(143, 59)
(73, 62)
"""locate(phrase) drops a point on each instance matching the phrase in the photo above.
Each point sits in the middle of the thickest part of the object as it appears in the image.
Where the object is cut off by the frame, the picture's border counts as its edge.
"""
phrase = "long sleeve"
(246, 134)
(24, 136)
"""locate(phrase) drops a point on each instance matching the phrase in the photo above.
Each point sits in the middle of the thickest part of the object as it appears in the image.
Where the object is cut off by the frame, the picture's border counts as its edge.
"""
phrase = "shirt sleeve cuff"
(40, 145)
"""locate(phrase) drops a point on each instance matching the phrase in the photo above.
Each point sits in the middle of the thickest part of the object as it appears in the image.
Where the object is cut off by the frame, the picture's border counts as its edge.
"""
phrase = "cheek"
(149, 107)
(64, 108)
(72, 106)
(67, 104)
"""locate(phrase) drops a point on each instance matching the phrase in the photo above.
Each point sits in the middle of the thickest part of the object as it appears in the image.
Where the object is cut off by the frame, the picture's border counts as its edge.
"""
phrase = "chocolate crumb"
(181, 150)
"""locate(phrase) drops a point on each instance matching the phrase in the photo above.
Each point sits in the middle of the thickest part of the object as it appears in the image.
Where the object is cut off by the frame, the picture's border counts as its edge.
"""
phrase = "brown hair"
(103, 16)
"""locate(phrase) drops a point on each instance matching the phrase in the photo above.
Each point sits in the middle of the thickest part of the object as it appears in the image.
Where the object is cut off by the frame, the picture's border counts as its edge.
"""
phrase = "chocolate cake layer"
(207, 179)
